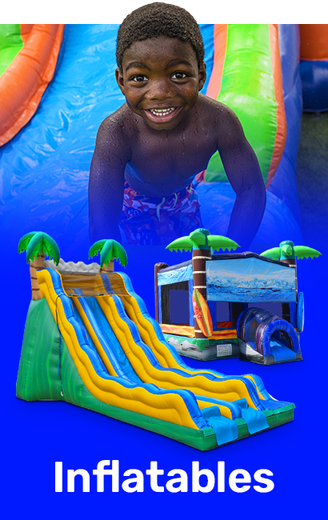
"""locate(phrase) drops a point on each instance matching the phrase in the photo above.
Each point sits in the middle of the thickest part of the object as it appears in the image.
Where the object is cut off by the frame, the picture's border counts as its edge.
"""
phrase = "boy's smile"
(161, 80)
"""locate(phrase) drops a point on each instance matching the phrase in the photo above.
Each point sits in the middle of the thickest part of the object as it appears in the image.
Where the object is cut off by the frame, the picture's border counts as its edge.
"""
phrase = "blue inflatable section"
(284, 185)
(314, 76)
(44, 170)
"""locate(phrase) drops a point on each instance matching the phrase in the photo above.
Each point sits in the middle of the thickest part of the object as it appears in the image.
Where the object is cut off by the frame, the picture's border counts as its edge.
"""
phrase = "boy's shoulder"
(115, 135)
(215, 109)
(220, 118)
(119, 122)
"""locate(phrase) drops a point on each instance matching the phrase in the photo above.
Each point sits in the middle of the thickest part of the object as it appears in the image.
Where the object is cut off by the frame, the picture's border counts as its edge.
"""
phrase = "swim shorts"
(154, 221)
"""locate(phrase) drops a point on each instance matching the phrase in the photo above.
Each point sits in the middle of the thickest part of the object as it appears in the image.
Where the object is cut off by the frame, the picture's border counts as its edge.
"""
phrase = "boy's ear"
(120, 80)
(202, 76)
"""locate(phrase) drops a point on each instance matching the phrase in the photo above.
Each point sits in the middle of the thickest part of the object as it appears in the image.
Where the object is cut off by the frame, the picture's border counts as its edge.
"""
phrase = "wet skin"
(164, 135)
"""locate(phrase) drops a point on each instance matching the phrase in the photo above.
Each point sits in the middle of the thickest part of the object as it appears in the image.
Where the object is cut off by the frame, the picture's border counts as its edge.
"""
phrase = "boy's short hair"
(159, 19)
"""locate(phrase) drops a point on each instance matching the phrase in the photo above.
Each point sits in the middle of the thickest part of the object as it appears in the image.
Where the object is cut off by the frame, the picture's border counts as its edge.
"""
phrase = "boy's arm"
(106, 182)
(244, 174)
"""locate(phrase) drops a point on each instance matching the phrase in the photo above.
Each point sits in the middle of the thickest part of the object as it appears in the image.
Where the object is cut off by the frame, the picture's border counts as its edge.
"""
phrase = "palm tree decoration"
(201, 242)
(37, 245)
(287, 252)
(202, 239)
(109, 250)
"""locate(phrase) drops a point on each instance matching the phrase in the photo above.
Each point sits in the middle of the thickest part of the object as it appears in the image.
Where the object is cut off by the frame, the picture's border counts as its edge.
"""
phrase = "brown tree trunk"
(35, 266)
(289, 261)
(199, 258)
(109, 268)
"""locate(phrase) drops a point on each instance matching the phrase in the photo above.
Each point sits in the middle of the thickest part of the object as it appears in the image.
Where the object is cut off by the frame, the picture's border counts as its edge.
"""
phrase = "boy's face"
(161, 80)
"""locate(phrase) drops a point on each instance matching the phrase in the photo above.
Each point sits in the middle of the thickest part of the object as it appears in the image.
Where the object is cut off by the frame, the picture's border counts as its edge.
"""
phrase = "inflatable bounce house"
(217, 289)
(90, 341)
(57, 84)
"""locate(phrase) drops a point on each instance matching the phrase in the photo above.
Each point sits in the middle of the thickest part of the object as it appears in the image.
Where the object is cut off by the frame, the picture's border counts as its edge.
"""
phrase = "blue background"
(38, 434)
(35, 435)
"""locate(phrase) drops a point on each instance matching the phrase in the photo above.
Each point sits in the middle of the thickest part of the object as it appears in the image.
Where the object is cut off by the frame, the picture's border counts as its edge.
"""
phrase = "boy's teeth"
(161, 111)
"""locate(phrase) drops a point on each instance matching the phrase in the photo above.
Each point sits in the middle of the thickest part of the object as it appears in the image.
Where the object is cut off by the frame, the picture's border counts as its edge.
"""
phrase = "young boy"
(149, 151)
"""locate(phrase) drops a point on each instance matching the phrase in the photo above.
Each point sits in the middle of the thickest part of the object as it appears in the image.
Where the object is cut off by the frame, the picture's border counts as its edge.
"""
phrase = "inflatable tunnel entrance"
(265, 338)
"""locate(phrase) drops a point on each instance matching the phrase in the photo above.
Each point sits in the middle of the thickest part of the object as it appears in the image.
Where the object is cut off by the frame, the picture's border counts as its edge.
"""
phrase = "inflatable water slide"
(57, 85)
(90, 341)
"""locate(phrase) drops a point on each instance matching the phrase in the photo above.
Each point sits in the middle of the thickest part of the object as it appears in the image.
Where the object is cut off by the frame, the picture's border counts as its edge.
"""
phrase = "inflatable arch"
(267, 337)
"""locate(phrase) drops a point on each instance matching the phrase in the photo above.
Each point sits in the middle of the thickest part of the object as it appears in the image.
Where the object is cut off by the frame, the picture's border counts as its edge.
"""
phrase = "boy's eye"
(139, 78)
(179, 75)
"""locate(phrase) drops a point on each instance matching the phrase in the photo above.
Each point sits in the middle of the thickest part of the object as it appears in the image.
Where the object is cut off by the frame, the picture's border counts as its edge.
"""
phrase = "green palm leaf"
(180, 244)
(306, 252)
(24, 241)
(202, 239)
(217, 242)
(287, 250)
(273, 253)
(96, 248)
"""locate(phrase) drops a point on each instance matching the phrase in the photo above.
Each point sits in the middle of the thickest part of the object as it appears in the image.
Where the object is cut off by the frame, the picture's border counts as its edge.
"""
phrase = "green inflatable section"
(11, 44)
(247, 75)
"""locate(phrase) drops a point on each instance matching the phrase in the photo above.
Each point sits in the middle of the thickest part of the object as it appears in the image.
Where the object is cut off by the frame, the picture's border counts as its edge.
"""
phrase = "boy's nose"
(160, 90)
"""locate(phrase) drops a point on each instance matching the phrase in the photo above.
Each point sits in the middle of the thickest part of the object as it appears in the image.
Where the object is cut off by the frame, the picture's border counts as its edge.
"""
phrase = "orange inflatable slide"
(27, 74)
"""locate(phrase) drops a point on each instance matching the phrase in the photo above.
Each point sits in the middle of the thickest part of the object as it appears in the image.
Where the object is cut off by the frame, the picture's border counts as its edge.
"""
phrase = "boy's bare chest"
(183, 155)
